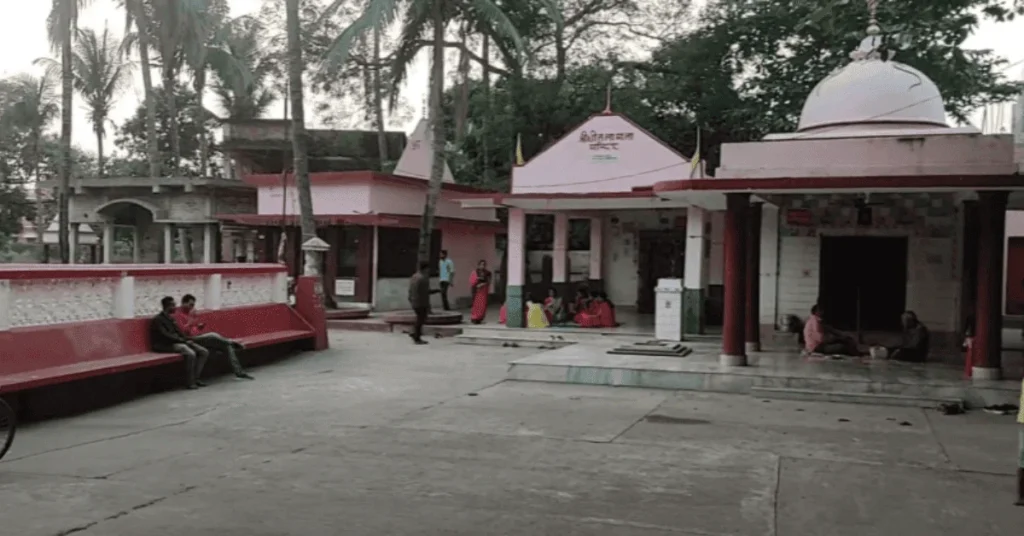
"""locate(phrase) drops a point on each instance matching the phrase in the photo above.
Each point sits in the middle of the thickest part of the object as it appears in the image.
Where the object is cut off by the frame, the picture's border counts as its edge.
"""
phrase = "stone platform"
(772, 374)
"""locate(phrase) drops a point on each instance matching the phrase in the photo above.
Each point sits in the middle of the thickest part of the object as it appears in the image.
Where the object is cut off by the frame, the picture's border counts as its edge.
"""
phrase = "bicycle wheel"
(8, 423)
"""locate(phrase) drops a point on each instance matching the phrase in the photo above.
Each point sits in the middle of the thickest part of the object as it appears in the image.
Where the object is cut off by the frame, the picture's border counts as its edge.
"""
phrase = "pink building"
(371, 220)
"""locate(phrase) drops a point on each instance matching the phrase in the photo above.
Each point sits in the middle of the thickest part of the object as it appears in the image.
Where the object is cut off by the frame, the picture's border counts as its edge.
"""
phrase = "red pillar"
(753, 267)
(988, 316)
(733, 351)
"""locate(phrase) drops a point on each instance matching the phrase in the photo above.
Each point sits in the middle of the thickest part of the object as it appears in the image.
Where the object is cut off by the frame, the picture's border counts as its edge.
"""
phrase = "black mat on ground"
(653, 348)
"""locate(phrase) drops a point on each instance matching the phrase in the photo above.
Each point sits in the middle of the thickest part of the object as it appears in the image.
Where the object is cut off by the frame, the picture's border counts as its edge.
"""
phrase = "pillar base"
(727, 360)
(515, 307)
(693, 311)
(986, 374)
(753, 347)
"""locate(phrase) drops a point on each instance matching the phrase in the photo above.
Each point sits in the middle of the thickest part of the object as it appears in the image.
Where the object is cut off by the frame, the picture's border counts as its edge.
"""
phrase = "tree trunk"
(561, 55)
(485, 53)
(378, 102)
(100, 160)
(152, 145)
(67, 78)
(437, 129)
(299, 142)
(462, 104)
(172, 114)
(40, 217)
(199, 116)
(366, 72)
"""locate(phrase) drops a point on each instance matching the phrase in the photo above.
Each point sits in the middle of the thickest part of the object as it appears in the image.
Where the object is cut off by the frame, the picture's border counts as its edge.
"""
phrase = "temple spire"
(868, 49)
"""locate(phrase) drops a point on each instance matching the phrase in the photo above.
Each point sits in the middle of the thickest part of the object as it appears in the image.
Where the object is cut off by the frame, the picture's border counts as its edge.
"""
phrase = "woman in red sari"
(599, 314)
(480, 284)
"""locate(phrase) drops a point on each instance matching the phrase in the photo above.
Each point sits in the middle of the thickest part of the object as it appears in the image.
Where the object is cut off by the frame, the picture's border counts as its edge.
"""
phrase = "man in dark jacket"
(165, 337)
(419, 299)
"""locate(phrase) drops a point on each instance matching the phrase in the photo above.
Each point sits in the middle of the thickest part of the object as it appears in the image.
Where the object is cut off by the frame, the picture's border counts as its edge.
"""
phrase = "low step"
(875, 399)
(358, 325)
(514, 342)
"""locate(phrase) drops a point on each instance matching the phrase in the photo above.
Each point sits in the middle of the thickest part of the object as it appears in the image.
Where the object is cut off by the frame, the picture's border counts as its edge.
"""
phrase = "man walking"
(165, 337)
(188, 322)
(419, 299)
(447, 271)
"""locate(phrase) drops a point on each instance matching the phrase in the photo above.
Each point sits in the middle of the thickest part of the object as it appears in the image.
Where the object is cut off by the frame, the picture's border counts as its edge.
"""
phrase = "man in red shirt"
(188, 321)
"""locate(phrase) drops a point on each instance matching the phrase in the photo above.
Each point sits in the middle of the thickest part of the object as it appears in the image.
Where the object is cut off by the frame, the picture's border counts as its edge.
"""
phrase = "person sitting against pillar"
(914, 346)
(188, 322)
(555, 308)
(535, 315)
(820, 338)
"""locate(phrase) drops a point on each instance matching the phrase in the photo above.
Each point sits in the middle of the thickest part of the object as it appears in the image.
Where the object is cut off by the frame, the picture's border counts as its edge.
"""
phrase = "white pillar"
(124, 298)
(250, 247)
(560, 253)
(108, 242)
(213, 297)
(73, 244)
(6, 303)
(596, 249)
(227, 246)
(280, 294)
(695, 276)
(137, 238)
(208, 233)
(168, 243)
(516, 247)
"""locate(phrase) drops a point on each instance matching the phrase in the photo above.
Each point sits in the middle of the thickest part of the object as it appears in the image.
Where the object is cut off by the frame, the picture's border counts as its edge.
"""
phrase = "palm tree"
(100, 75)
(421, 15)
(61, 26)
(299, 142)
(170, 21)
(33, 108)
(205, 24)
(244, 86)
(136, 15)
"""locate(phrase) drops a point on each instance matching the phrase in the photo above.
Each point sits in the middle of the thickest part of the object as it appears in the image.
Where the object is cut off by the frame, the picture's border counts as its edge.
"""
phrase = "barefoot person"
(480, 284)
(165, 337)
(189, 323)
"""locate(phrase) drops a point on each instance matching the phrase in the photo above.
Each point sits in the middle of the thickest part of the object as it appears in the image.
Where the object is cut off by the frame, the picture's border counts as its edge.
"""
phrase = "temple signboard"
(604, 142)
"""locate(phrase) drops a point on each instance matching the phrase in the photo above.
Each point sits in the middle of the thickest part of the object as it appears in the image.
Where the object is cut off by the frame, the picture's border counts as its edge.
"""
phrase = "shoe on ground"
(192, 387)
(200, 384)
(243, 376)
(420, 341)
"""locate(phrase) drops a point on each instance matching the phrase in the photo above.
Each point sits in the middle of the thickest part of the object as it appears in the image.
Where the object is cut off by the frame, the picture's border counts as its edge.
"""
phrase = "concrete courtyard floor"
(377, 437)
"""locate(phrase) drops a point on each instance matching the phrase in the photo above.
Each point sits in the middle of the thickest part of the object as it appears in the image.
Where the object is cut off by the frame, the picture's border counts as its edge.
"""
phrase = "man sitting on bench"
(188, 322)
(165, 337)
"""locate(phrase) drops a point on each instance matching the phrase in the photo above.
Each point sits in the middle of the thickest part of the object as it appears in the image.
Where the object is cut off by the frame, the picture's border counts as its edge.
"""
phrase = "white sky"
(23, 39)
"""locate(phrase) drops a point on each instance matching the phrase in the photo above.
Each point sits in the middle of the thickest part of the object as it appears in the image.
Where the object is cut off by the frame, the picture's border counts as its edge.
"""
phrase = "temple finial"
(869, 46)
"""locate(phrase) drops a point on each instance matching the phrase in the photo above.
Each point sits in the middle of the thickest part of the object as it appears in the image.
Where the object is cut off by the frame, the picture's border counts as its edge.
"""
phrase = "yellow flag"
(695, 161)
(519, 150)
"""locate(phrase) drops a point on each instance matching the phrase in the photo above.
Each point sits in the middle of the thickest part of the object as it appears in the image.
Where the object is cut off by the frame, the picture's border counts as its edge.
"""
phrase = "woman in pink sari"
(480, 283)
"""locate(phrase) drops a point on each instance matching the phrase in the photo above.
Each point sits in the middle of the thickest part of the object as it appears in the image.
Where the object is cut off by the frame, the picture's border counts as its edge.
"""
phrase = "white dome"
(874, 91)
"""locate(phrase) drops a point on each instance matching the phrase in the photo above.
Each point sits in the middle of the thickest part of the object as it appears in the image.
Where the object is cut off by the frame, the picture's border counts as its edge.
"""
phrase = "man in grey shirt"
(446, 271)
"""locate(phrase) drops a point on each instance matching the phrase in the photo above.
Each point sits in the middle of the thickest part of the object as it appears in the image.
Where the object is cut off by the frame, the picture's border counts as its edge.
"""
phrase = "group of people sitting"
(820, 338)
(587, 310)
(178, 330)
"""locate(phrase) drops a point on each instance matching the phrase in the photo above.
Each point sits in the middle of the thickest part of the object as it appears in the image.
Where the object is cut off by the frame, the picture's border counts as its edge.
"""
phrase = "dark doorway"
(661, 255)
(863, 282)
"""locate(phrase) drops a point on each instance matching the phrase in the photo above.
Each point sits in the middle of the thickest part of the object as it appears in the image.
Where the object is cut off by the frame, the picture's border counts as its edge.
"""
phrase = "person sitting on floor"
(582, 302)
(535, 316)
(599, 314)
(610, 310)
(820, 338)
(554, 308)
(914, 347)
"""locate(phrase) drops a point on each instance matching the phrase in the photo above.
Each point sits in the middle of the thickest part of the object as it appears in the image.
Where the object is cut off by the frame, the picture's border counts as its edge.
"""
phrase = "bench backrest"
(33, 348)
(240, 322)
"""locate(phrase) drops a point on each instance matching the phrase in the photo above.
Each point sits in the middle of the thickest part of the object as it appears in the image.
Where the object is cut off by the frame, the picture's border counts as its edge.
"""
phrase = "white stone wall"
(137, 293)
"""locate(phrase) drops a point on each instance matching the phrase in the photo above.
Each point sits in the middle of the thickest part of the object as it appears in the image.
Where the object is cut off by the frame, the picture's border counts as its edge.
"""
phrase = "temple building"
(371, 221)
(873, 206)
